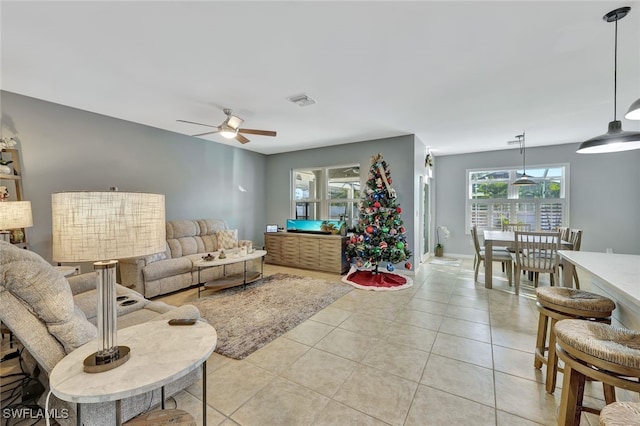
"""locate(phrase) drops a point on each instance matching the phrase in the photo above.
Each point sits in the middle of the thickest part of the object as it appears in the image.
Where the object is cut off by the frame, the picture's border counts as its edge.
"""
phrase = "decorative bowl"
(208, 257)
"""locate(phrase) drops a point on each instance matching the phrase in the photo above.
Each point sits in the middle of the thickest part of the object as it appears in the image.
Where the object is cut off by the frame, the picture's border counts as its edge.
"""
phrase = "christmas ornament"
(385, 229)
(390, 267)
(400, 245)
(407, 265)
(393, 231)
(383, 244)
(401, 229)
(377, 204)
(369, 229)
(398, 209)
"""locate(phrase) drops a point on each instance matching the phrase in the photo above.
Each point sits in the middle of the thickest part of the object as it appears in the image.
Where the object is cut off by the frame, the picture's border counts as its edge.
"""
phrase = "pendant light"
(524, 180)
(634, 111)
(615, 139)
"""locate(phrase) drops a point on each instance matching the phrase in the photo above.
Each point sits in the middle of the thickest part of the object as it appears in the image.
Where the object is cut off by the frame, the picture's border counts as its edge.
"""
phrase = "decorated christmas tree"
(380, 233)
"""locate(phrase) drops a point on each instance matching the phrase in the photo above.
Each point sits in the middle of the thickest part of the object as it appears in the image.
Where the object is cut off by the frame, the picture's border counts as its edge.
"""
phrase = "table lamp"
(14, 215)
(100, 227)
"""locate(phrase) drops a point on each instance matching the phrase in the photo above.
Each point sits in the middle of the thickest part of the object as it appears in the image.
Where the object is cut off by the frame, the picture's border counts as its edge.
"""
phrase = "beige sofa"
(51, 316)
(173, 270)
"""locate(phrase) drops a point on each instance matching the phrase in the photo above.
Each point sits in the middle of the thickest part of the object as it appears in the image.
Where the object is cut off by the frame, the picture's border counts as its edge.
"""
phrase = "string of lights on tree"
(380, 233)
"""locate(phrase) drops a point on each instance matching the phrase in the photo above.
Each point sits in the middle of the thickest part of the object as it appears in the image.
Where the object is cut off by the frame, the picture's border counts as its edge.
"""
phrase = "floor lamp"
(100, 227)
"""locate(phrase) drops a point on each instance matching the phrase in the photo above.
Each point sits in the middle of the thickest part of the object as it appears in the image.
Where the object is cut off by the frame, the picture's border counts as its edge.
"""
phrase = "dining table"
(505, 239)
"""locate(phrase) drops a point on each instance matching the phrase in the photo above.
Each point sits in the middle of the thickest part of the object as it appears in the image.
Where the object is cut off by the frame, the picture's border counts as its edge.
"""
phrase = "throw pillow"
(154, 257)
(227, 239)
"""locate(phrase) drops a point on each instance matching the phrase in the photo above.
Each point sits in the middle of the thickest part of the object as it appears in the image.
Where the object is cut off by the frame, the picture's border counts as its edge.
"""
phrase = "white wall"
(66, 149)
(604, 194)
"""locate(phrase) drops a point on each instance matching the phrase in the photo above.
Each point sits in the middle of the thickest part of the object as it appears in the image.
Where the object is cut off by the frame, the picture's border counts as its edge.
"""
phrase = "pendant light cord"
(523, 152)
(615, 72)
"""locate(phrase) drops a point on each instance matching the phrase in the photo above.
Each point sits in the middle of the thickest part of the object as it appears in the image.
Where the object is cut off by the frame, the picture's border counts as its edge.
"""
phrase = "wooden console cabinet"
(307, 251)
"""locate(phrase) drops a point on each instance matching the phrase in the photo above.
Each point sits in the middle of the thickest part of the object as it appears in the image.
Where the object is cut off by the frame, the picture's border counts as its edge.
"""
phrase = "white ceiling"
(462, 76)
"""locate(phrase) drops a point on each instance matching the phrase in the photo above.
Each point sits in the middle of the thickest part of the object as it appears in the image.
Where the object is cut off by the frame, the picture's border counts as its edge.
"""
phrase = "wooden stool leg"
(609, 393)
(571, 400)
(575, 278)
(552, 360)
(541, 340)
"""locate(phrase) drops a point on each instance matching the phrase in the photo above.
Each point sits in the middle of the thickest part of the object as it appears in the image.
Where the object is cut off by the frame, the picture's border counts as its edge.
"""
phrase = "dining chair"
(536, 252)
(565, 232)
(516, 227)
(574, 236)
(498, 254)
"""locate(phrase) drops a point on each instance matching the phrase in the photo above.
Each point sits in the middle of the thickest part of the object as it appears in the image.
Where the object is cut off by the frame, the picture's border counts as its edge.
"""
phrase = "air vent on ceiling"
(302, 100)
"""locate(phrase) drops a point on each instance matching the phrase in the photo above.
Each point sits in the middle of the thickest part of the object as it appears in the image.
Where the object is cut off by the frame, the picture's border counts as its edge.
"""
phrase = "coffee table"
(232, 280)
(160, 354)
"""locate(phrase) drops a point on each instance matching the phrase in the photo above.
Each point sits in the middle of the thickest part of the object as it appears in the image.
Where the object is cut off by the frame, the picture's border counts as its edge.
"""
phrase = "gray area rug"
(247, 319)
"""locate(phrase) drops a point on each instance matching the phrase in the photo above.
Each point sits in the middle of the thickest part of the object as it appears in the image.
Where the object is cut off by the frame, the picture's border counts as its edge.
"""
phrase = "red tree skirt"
(382, 281)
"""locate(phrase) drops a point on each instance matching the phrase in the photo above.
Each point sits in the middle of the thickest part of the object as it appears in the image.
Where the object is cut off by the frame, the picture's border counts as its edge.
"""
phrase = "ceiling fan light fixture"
(616, 139)
(227, 131)
(634, 111)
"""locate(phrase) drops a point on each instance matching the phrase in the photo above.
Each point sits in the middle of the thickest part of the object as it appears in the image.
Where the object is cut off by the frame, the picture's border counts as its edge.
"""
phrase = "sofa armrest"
(131, 273)
(184, 311)
(83, 282)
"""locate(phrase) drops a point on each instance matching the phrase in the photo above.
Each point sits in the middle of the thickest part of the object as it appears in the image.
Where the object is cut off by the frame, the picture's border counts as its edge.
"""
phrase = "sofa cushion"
(166, 268)
(227, 239)
(182, 228)
(46, 293)
(211, 226)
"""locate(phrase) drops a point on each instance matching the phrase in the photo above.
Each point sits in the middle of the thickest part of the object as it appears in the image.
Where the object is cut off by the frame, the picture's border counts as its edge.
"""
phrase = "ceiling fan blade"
(241, 138)
(206, 133)
(258, 132)
(199, 124)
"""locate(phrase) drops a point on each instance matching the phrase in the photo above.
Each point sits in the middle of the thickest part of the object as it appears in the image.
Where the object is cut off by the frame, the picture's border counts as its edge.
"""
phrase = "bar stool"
(597, 351)
(620, 414)
(560, 303)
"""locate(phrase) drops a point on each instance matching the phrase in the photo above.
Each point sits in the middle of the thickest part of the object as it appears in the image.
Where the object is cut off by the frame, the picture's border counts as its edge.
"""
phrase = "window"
(491, 199)
(331, 193)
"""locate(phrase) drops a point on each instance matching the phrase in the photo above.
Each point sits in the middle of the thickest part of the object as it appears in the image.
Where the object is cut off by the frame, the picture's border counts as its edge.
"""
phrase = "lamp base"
(95, 363)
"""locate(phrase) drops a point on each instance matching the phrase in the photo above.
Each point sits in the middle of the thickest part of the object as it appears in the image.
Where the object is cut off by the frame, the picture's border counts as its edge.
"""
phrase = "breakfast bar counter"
(616, 276)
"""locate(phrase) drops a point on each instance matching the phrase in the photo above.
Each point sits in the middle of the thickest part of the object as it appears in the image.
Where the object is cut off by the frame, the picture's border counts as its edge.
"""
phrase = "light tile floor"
(445, 352)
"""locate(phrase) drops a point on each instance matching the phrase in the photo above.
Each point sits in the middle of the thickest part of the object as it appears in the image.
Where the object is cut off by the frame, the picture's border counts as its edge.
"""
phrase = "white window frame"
(513, 192)
(323, 199)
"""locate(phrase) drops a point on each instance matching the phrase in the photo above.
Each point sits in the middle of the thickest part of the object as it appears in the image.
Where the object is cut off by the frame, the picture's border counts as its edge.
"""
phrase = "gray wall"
(66, 149)
(604, 194)
(398, 152)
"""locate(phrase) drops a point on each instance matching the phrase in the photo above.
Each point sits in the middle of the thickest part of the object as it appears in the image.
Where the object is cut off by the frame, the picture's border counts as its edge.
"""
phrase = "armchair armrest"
(131, 273)
(83, 282)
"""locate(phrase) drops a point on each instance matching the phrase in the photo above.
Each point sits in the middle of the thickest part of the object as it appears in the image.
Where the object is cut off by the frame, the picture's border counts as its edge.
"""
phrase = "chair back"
(575, 238)
(565, 232)
(476, 241)
(537, 251)
(516, 227)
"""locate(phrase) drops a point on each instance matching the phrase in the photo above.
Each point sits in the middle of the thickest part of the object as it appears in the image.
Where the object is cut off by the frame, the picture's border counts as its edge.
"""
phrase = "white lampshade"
(91, 226)
(15, 214)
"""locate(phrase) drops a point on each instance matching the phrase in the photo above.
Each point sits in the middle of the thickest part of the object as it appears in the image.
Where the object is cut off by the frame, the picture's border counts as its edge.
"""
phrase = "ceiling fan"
(230, 128)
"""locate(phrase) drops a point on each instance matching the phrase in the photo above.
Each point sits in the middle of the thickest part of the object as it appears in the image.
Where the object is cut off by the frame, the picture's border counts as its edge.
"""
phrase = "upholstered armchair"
(51, 316)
